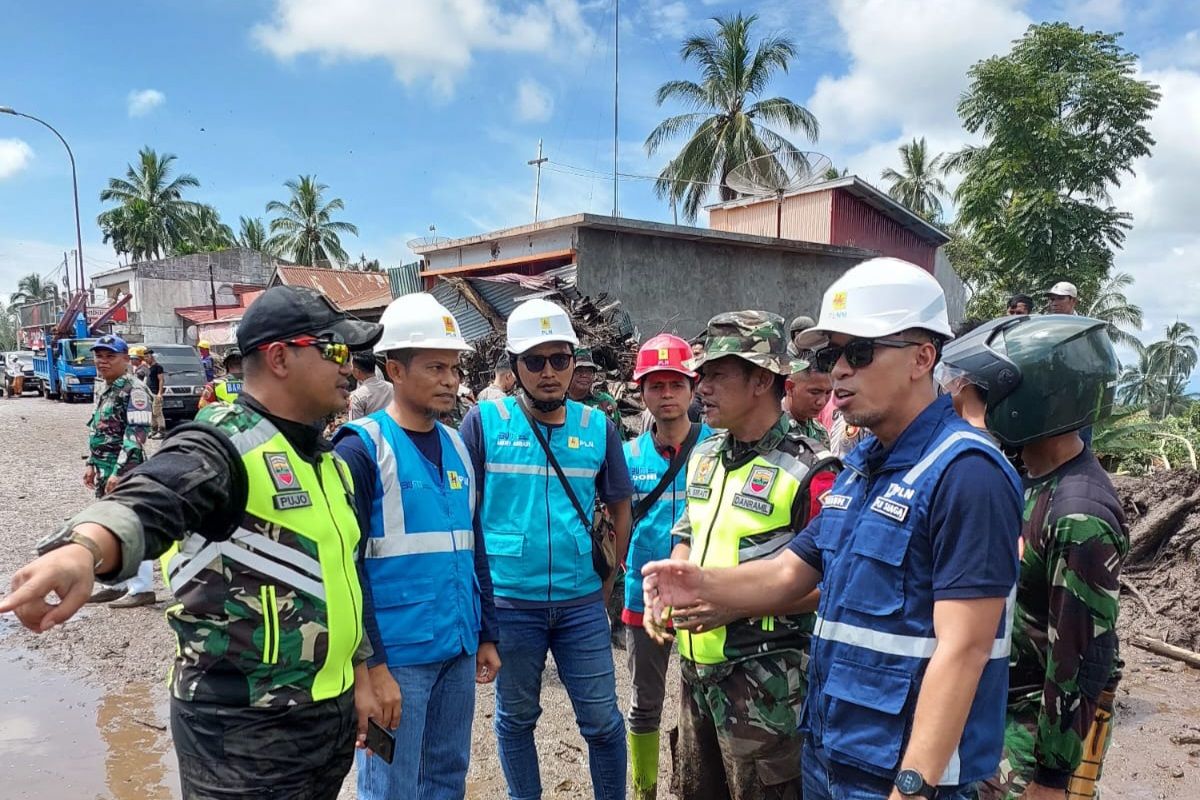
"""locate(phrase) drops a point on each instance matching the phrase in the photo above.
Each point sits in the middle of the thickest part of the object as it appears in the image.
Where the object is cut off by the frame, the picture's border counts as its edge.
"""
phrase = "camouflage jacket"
(607, 404)
(1064, 645)
(252, 618)
(119, 426)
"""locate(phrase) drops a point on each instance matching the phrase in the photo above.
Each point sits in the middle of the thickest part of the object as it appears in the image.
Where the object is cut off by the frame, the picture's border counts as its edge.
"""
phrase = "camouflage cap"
(756, 336)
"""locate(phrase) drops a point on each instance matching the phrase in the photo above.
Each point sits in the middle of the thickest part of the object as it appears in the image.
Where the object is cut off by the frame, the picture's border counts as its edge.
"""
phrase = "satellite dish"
(771, 176)
(427, 241)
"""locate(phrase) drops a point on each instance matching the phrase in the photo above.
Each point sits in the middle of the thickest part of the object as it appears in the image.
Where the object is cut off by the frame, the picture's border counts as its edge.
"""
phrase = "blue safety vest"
(537, 546)
(874, 633)
(651, 536)
(420, 549)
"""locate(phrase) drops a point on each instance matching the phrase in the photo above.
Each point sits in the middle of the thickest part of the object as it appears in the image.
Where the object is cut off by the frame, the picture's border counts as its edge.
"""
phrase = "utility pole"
(67, 273)
(616, 93)
(212, 289)
(537, 181)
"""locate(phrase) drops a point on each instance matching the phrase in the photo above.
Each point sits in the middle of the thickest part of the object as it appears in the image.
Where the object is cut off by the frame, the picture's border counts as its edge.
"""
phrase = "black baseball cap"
(285, 312)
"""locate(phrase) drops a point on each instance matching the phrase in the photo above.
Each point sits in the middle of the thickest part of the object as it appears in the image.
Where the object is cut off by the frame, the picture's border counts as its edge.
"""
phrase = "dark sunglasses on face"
(336, 352)
(858, 352)
(558, 362)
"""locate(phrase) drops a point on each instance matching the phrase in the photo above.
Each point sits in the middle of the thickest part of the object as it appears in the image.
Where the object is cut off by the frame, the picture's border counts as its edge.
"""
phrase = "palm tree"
(918, 185)
(252, 235)
(305, 230)
(1173, 359)
(1139, 384)
(723, 130)
(1114, 309)
(206, 232)
(151, 217)
(832, 174)
(32, 289)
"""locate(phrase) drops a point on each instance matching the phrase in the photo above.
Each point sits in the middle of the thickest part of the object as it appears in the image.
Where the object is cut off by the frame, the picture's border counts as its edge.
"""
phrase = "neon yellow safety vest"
(226, 390)
(745, 514)
(273, 616)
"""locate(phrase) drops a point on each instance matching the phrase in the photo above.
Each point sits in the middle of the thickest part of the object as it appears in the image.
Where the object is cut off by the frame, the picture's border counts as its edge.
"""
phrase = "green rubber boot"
(643, 755)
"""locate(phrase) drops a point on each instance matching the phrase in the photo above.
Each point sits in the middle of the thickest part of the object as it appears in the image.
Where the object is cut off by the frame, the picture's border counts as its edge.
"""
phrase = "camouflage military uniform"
(119, 426)
(814, 430)
(737, 736)
(1065, 666)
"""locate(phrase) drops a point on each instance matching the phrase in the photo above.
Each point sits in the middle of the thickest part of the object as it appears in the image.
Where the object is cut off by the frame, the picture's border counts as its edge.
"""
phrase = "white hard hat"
(536, 322)
(1064, 289)
(418, 320)
(880, 297)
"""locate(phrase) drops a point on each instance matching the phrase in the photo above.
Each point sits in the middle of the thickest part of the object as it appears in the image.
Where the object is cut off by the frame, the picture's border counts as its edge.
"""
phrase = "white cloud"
(534, 103)
(1092, 13)
(431, 40)
(15, 155)
(142, 101)
(669, 21)
(908, 64)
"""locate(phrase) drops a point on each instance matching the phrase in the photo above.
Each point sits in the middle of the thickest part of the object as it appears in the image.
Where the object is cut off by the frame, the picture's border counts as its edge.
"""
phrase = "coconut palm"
(1139, 384)
(304, 229)
(151, 217)
(727, 122)
(1111, 306)
(832, 174)
(1173, 359)
(32, 289)
(918, 184)
(252, 235)
(206, 232)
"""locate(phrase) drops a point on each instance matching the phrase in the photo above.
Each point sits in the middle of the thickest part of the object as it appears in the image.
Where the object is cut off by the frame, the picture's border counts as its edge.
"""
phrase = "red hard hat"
(664, 352)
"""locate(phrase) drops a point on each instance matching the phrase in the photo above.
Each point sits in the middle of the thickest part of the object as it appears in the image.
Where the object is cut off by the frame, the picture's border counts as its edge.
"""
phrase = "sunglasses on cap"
(558, 362)
(336, 352)
(858, 352)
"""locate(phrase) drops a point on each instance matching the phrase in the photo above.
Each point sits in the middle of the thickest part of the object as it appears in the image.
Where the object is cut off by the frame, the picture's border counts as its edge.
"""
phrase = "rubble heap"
(1161, 575)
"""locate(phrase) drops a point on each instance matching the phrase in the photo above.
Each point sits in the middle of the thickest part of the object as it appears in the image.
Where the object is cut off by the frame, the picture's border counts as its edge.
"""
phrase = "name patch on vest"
(838, 501)
(760, 481)
(282, 474)
(755, 504)
(705, 470)
(287, 500)
(890, 509)
(699, 492)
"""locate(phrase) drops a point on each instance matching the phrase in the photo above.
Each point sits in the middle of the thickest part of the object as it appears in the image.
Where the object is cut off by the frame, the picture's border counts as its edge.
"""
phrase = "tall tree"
(1139, 384)
(31, 289)
(1173, 359)
(205, 232)
(252, 235)
(729, 113)
(918, 184)
(151, 218)
(1111, 306)
(1063, 119)
(304, 229)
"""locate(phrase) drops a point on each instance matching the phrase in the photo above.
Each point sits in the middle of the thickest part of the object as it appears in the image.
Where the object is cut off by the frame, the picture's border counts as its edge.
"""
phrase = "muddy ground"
(82, 710)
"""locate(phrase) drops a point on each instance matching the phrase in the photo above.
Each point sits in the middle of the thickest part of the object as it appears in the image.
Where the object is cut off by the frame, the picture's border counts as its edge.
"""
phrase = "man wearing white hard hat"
(916, 554)
(1062, 298)
(427, 590)
(544, 462)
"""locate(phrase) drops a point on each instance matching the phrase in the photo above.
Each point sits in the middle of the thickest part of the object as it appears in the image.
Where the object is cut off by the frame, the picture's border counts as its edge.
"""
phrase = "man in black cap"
(270, 671)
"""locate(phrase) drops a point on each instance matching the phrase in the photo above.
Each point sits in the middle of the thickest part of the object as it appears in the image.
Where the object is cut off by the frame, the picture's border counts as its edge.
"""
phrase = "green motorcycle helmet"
(1041, 376)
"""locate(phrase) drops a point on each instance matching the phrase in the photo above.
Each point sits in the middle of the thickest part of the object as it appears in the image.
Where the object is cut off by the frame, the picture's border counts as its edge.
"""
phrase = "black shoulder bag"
(677, 463)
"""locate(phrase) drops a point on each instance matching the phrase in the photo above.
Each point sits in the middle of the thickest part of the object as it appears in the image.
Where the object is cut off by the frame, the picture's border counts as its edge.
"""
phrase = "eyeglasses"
(336, 352)
(558, 361)
(858, 352)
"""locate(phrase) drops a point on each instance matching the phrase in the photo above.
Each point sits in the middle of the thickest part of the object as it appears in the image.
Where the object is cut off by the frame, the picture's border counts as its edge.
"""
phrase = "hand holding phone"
(380, 741)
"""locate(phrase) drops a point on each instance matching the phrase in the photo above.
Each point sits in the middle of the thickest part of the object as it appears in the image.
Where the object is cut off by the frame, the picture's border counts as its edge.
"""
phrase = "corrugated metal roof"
(503, 293)
(473, 325)
(405, 279)
(350, 291)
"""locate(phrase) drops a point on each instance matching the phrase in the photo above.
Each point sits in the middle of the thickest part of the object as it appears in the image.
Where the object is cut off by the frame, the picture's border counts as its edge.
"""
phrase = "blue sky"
(420, 114)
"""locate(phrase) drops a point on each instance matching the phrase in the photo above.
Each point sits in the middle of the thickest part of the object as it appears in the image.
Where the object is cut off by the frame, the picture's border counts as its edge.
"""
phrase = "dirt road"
(82, 713)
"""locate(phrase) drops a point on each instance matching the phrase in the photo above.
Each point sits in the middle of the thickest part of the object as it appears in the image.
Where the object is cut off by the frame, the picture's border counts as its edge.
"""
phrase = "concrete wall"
(677, 285)
(952, 285)
(503, 248)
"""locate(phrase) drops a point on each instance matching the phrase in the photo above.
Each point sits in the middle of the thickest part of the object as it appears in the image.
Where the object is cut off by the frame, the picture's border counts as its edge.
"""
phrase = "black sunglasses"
(858, 352)
(558, 361)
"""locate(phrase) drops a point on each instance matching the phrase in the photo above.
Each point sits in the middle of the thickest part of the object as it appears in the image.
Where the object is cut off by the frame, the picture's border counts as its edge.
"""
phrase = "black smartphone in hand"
(380, 741)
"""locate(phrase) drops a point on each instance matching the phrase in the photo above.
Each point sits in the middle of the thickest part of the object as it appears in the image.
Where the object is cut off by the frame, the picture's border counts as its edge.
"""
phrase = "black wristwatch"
(911, 783)
(67, 535)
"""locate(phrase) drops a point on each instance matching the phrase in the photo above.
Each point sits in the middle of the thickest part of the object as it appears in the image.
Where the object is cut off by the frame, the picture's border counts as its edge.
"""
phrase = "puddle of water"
(60, 737)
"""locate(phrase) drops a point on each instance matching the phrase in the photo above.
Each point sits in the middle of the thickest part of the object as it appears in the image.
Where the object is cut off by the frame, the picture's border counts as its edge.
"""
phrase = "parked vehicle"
(20, 362)
(66, 368)
(184, 376)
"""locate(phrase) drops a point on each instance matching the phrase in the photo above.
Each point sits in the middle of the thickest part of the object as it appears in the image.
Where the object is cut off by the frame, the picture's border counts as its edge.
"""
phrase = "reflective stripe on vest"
(874, 635)
(537, 546)
(726, 509)
(420, 546)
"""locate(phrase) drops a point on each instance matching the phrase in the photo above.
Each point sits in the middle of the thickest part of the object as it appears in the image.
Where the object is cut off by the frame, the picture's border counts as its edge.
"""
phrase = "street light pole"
(74, 187)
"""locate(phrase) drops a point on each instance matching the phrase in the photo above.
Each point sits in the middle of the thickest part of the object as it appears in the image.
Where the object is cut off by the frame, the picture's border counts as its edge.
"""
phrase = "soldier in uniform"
(583, 387)
(269, 689)
(749, 489)
(119, 426)
(1040, 378)
(225, 389)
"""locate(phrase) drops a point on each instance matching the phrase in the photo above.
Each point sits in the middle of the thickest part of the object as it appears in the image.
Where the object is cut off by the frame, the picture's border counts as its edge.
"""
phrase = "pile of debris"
(1161, 576)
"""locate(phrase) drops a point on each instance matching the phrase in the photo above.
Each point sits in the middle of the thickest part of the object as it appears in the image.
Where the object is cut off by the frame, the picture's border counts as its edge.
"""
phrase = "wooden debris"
(1192, 659)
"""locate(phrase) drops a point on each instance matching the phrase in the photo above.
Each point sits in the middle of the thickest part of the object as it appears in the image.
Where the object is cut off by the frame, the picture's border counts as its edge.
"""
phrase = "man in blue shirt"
(427, 590)
(916, 554)
(543, 462)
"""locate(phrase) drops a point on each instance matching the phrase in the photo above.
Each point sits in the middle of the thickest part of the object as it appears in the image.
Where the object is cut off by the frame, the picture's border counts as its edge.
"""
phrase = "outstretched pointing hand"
(671, 583)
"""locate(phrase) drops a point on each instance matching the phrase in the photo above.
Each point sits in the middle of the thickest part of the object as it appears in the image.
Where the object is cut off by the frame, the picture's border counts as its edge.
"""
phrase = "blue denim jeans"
(829, 780)
(578, 637)
(433, 740)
